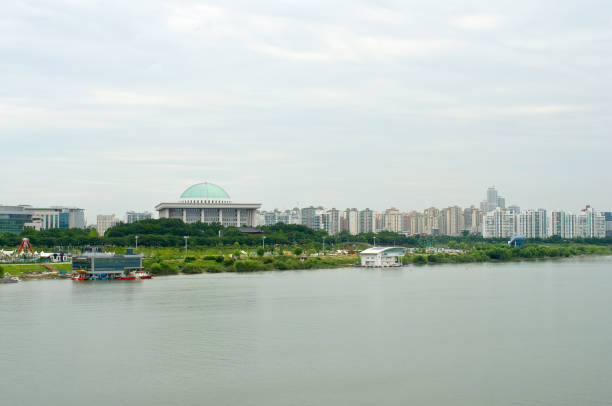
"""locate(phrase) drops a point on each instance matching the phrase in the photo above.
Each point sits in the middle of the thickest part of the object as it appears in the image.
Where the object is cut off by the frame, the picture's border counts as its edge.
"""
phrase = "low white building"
(382, 256)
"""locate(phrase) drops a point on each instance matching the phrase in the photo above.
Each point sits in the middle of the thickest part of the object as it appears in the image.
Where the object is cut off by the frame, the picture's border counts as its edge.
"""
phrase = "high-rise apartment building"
(590, 224)
(498, 223)
(104, 222)
(563, 224)
(392, 220)
(366, 221)
(452, 221)
(608, 218)
(531, 223)
(352, 221)
(472, 220)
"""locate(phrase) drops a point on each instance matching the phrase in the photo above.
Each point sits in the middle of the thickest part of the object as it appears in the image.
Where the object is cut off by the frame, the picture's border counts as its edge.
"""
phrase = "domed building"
(209, 203)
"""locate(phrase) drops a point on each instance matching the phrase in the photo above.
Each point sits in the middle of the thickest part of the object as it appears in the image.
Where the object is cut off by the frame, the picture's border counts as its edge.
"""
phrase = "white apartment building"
(352, 221)
(590, 224)
(563, 224)
(392, 220)
(531, 223)
(498, 223)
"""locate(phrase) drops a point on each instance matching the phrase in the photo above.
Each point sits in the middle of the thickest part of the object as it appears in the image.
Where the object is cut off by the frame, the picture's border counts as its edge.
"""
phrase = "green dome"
(205, 191)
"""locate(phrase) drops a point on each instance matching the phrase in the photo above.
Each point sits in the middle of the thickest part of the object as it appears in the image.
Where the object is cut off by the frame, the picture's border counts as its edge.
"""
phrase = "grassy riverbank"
(501, 253)
(171, 261)
(221, 263)
(20, 269)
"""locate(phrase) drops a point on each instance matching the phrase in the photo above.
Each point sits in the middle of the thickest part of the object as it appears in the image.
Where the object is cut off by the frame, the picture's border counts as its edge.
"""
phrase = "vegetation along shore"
(213, 248)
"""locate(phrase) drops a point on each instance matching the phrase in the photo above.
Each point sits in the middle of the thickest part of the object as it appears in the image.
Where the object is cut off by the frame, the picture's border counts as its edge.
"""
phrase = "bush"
(1, 272)
(298, 251)
(268, 260)
(191, 268)
(163, 268)
(228, 262)
(249, 266)
(260, 252)
(190, 259)
(419, 260)
(219, 259)
(209, 258)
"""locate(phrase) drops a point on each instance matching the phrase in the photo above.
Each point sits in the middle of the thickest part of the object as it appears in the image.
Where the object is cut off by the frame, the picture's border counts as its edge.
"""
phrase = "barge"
(95, 264)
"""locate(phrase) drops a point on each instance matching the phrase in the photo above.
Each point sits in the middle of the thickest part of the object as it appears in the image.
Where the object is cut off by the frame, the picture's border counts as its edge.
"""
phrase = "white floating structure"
(378, 257)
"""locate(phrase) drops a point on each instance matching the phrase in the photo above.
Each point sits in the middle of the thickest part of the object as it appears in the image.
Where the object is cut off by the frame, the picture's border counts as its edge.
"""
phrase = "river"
(527, 333)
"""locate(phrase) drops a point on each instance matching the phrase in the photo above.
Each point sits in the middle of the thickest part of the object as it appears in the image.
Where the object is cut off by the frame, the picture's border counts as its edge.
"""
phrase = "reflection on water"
(533, 333)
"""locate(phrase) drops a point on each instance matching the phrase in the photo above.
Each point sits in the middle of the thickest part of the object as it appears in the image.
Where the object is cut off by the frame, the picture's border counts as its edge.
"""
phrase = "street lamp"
(186, 238)
(374, 241)
(263, 243)
(136, 238)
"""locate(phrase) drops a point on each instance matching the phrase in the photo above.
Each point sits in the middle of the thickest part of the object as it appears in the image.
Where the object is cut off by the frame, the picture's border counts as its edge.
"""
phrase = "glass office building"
(13, 219)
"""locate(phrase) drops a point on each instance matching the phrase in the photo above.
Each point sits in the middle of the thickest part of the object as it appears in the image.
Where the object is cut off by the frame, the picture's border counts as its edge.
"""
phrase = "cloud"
(477, 22)
(289, 54)
(508, 111)
(115, 97)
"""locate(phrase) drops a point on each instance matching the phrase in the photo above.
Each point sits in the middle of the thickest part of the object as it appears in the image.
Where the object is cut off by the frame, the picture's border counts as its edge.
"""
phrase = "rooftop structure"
(209, 203)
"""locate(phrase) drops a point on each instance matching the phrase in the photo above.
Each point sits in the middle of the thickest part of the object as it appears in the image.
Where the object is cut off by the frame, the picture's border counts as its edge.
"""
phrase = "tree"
(298, 251)
(260, 252)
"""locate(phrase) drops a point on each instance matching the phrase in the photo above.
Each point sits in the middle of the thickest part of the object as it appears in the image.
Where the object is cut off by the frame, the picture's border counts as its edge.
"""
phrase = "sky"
(119, 105)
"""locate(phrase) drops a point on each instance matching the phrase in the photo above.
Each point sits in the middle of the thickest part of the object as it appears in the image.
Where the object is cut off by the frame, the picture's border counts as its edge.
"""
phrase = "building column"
(202, 215)
(184, 215)
(220, 216)
(238, 218)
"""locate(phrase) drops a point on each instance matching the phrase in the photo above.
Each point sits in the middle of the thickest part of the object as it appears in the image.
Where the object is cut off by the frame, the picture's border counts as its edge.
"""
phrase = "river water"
(530, 333)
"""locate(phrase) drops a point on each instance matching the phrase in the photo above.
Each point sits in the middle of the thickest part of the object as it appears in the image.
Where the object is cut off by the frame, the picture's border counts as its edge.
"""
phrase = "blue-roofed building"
(209, 203)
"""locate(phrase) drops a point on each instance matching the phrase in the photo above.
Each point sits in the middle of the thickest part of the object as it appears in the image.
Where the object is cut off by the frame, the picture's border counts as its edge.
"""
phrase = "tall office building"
(45, 218)
(493, 200)
(134, 216)
(452, 221)
(13, 219)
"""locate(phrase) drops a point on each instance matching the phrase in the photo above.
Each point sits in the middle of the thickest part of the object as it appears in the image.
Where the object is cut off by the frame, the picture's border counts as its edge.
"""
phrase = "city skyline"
(365, 104)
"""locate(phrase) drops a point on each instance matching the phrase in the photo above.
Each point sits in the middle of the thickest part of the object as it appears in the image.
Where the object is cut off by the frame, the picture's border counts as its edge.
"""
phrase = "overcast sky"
(119, 105)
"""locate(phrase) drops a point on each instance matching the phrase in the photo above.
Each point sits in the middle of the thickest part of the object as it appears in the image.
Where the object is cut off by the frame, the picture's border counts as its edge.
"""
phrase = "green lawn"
(16, 269)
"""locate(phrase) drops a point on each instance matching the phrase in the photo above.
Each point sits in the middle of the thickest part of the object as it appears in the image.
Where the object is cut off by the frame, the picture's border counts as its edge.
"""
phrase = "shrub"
(419, 260)
(298, 251)
(1, 272)
(190, 259)
(260, 252)
(228, 262)
(219, 258)
(191, 268)
(268, 260)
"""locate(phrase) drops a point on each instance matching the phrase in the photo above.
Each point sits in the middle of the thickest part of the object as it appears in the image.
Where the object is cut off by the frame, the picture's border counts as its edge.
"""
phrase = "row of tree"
(171, 233)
